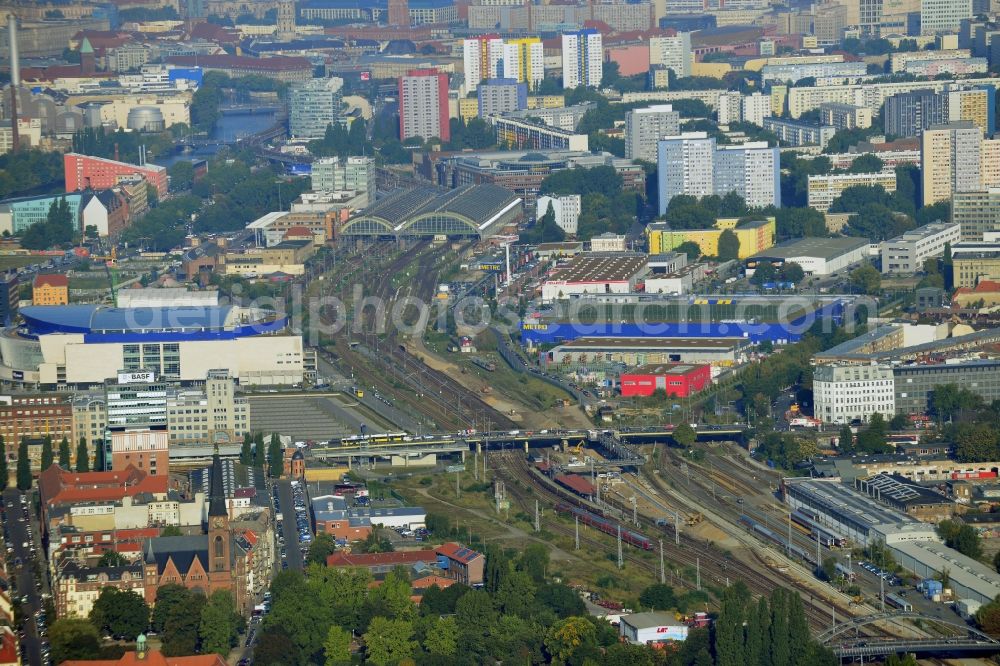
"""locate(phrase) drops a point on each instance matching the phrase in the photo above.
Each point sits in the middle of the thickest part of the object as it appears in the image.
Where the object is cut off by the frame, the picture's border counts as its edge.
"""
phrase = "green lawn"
(9, 261)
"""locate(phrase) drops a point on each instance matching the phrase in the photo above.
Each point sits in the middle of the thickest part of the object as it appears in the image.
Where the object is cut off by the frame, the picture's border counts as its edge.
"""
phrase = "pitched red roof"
(576, 483)
(152, 658)
(51, 280)
(457, 552)
(60, 486)
(989, 286)
(8, 647)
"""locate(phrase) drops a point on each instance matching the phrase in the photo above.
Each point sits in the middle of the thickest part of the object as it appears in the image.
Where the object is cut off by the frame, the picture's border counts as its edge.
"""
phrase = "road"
(292, 553)
(16, 524)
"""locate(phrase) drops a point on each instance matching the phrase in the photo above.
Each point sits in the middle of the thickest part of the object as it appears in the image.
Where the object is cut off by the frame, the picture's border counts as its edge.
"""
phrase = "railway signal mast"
(621, 560)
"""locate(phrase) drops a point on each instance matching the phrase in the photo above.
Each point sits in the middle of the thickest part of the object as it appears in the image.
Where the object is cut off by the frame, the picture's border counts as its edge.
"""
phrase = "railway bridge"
(973, 642)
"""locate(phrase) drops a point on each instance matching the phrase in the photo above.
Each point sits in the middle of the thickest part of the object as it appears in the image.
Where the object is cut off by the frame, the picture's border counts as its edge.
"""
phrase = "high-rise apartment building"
(399, 13)
(645, 127)
(908, 114)
(423, 104)
(523, 60)
(674, 53)
(685, 166)
(730, 107)
(937, 16)
(950, 157)
(313, 106)
(582, 58)
(332, 174)
(498, 96)
(974, 104)
(756, 107)
(215, 416)
(752, 170)
(566, 210)
(286, 19)
(481, 56)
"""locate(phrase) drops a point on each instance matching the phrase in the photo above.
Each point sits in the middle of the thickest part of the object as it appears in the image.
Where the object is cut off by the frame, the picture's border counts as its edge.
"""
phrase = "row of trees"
(605, 205)
(187, 622)
(253, 453)
(23, 465)
(28, 170)
(56, 230)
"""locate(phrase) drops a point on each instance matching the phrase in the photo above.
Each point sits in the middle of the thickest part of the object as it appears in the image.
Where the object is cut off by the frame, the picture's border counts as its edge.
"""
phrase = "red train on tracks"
(606, 526)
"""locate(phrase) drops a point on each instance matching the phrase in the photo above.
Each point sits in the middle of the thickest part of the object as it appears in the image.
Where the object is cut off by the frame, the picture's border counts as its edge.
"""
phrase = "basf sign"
(138, 377)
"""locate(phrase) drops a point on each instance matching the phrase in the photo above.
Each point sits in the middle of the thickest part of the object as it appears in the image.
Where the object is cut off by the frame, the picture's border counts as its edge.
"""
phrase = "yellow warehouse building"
(754, 237)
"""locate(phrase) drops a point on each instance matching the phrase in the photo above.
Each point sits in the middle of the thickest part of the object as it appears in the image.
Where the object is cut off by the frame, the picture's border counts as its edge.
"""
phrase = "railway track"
(430, 392)
(717, 568)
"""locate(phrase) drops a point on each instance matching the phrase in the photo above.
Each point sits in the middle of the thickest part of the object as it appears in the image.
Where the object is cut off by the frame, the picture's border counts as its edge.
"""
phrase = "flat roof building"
(969, 578)
(903, 495)
(915, 383)
(816, 256)
(588, 274)
(630, 352)
(905, 254)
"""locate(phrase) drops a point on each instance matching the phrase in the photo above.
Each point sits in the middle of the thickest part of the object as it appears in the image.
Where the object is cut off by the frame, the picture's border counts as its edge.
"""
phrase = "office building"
(582, 59)
(673, 53)
(977, 213)
(10, 295)
(906, 253)
(799, 133)
(90, 419)
(752, 170)
(950, 157)
(916, 382)
(499, 96)
(314, 106)
(523, 60)
(19, 213)
(824, 190)
(845, 393)
(689, 156)
(943, 16)
(845, 116)
(480, 55)
(645, 127)
(354, 174)
(423, 105)
(565, 208)
(136, 400)
(83, 172)
(559, 117)
(908, 114)
(215, 415)
(33, 417)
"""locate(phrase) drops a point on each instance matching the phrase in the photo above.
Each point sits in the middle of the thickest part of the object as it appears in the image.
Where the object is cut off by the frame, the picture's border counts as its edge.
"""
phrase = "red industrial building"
(679, 380)
(84, 172)
(577, 484)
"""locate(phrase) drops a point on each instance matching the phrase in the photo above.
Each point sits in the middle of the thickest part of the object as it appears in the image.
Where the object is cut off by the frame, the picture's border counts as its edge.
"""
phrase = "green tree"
(899, 422)
(275, 460)
(220, 623)
(181, 625)
(567, 636)
(170, 598)
(82, 456)
(987, 617)
(246, 450)
(374, 543)
(121, 613)
(389, 641)
(996, 561)
(962, 537)
(516, 595)
(23, 466)
(100, 453)
(258, 450)
(763, 273)
(181, 175)
(658, 597)
(112, 558)
(275, 648)
(534, 560)
(73, 638)
(560, 599)
(171, 530)
(442, 637)
(322, 547)
(64, 455)
(729, 245)
(867, 279)
(48, 457)
(337, 647)
(684, 435)
(779, 636)
(690, 248)
(866, 163)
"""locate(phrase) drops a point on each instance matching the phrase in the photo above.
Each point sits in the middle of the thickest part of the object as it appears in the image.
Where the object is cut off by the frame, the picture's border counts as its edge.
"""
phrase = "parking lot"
(294, 529)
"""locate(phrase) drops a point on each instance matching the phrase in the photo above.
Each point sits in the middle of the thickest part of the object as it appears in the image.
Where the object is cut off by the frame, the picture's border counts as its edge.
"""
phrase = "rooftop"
(900, 490)
(824, 248)
(656, 343)
(51, 280)
(665, 369)
(600, 268)
(963, 570)
(838, 498)
(649, 620)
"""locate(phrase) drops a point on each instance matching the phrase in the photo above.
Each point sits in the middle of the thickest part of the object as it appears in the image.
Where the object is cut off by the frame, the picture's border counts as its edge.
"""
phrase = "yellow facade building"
(754, 237)
(51, 289)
